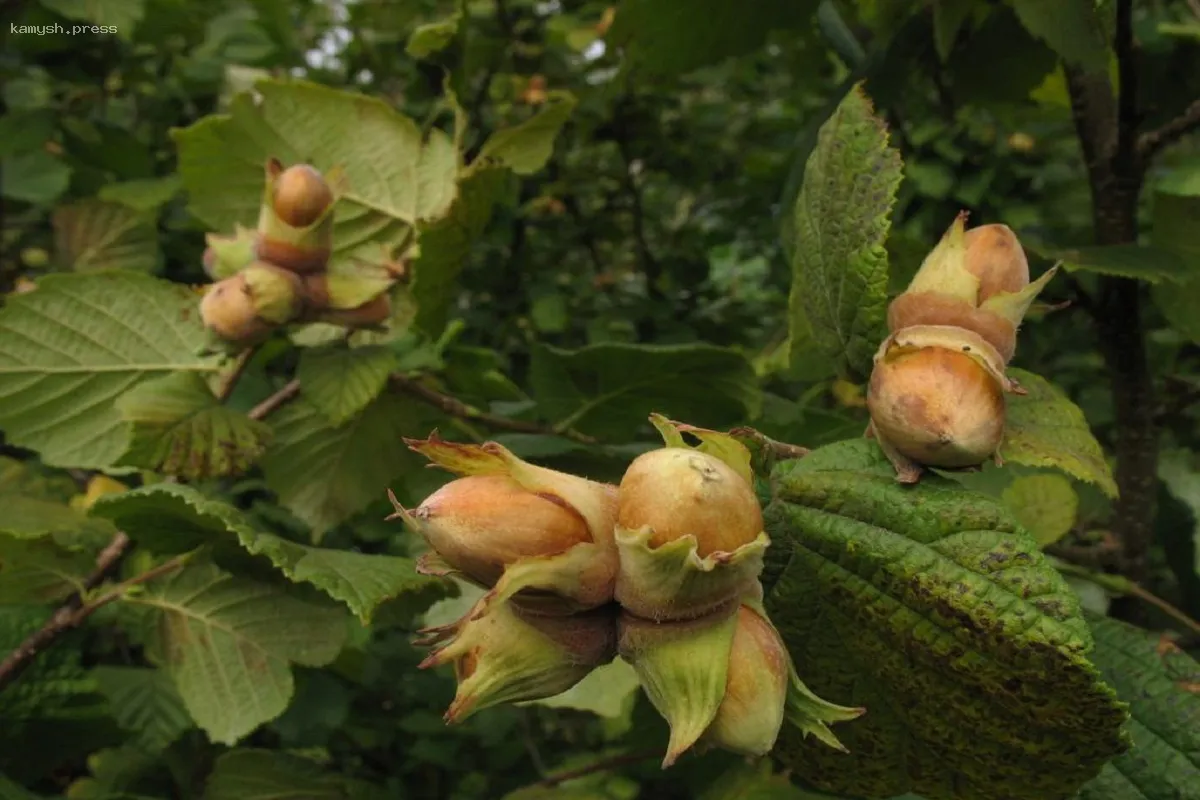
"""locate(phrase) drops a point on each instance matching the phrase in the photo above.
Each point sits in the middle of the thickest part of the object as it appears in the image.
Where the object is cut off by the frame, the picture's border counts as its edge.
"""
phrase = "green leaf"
(1176, 217)
(148, 194)
(95, 234)
(754, 782)
(271, 775)
(122, 15)
(949, 17)
(1071, 27)
(10, 790)
(342, 381)
(53, 685)
(324, 474)
(40, 571)
(145, 703)
(446, 244)
(1164, 763)
(673, 36)
(1045, 504)
(1143, 262)
(432, 37)
(32, 518)
(75, 344)
(842, 217)
(363, 582)
(931, 607)
(228, 644)
(1045, 429)
(34, 177)
(394, 177)
(526, 148)
(181, 429)
(609, 390)
(172, 518)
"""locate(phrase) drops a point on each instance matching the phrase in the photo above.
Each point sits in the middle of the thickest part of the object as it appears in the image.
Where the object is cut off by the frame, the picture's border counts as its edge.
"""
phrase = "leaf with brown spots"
(930, 606)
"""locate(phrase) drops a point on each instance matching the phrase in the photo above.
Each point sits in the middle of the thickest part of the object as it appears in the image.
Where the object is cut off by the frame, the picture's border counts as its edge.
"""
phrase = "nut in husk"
(278, 293)
(977, 280)
(542, 537)
(936, 398)
(228, 310)
(689, 526)
(510, 654)
(295, 222)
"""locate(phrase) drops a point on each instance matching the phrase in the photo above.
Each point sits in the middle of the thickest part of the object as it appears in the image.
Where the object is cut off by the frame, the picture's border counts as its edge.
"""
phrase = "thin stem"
(1152, 142)
(229, 382)
(65, 618)
(1123, 586)
(284, 395)
(454, 407)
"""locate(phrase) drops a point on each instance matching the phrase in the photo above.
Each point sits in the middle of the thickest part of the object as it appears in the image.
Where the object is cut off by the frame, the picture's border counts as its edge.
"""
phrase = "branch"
(598, 766)
(284, 395)
(454, 407)
(67, 615)
(1125, 159)
(229, 382)
(1151, 142)
(1123, 586)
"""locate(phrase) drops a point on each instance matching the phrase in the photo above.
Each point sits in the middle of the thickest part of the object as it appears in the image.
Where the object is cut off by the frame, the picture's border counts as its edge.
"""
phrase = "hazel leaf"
(251, 774)
(1045, 429)
(229, 644)
(78, 342)
(94, 234)
(181, 429)
(144, 702)
(40, 571)
(842, 215)
(1072, 28)
(1045, 504)
(932, 608)
(341, 381)
(1159, 681)
(363, 582)
(325, 474)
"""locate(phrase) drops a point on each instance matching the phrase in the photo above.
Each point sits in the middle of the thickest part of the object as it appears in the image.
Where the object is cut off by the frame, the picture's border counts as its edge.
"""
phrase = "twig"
(598, 766)
(454, 407)
(66, 617)
(1123, 586)
(229, 382)
(284, 395)
(1151, 142)
(1125, 159)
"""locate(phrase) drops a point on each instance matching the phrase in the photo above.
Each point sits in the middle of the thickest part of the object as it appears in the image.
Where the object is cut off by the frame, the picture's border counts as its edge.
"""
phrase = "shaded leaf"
(228, 644)
(931, 607)
(672, 36)
(446, 243)
(342, 381)
(148, 194)
(1143, 262)
(145, 703)
(1045, 504)
(31, 518)
(838, 299)
(609, 390)
(40, 571)
(33, 177)
(1177, 229)
(324, 475)
(432, 37)
(1164, 763)
(269, 775)
(94, 234)
(394, 177)
(181, 429)
(75, 344)
(525, 148)
(1071, 27)
(1045, 429)
(10, 790)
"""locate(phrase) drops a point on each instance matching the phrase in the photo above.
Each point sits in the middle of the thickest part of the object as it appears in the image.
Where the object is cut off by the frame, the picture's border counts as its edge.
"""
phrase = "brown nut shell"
(930, 308)
(995, 256)
(301, 195)
(938, 407)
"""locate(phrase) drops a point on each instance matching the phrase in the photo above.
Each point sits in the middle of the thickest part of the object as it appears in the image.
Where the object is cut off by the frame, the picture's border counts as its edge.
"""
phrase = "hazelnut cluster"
(280, 271)
(937, 390)
(661, 571)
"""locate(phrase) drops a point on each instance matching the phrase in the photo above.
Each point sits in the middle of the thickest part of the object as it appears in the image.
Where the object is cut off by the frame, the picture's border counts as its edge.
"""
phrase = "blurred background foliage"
(656, 220)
